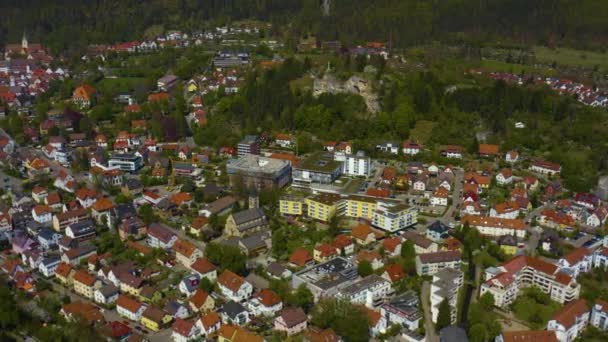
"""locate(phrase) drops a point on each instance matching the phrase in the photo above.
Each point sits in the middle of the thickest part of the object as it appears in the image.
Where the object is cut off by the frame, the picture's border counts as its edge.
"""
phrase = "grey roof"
(53, 259)
(108, 290)
(275, 269)
(363, 284)
(249, 215)
(453, 334)
(255, 241)
(133, 183)
(438, 227)
(232, 309)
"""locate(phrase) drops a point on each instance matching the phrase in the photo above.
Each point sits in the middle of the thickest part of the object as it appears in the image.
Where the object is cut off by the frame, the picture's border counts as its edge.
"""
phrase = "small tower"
(24, 44)
(254, 199)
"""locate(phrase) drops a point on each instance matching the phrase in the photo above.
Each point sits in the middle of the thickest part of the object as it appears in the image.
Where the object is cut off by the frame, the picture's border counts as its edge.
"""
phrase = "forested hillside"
(75, 23)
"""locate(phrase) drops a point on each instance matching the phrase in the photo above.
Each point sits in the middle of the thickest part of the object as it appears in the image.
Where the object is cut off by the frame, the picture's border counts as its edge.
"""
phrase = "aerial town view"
(304, 170)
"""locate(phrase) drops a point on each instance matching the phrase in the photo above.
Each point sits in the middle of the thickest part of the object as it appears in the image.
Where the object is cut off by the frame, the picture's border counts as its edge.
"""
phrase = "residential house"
(324, 252)
(189, 284)
(186, 253)
(129, 308)
(446, 286)
(291, 321)
(65, 274)
(599, 315)
(422, 245)
(578, 261)
(204, 269)
(504, 177)
(570, 321)
(106, 294)
(403, 310)
(440, 197)
(234, 287)
(160, 236)
(201, 301)
(85, 311)
(154, 319)
(495, 226)
(184, 330)
(437, 231)
(431, 263)
(209, 323)
(545, 168)
(300, 257)
(42, 214)
(234, 313)
(85, 284)
(363, 234)
(392, 246)
(370, 291)
(265, 303)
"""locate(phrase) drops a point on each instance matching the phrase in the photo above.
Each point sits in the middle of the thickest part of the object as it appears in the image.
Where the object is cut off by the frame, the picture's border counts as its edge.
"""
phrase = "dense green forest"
(64, 24)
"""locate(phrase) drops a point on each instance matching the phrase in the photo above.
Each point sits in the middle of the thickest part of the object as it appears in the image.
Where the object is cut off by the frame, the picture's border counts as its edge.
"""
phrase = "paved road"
(425, 294)
(448, 216)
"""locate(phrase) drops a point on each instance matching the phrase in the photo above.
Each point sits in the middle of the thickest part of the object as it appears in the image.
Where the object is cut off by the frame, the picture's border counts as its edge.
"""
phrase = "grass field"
(494, 65)
(572, 57)
(422, 131)
(120, 84)
(534, 307)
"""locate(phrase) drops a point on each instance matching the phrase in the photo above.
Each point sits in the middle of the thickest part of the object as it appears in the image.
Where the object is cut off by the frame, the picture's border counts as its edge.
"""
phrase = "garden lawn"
(534, 307)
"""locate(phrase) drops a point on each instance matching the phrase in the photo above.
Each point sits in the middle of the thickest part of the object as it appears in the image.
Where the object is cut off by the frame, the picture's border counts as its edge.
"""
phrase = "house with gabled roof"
(570, 321)
(204, 269)
(233, 286)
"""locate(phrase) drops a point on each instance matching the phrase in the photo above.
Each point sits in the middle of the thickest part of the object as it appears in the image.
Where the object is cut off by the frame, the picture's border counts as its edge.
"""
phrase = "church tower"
(24, 44)
(254, 199)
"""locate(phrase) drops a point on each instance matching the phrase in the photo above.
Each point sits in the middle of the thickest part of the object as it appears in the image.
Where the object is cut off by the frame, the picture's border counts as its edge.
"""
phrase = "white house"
(504, 177)
(184, 330)
(411, 148)
(512, 157)
(599, 315)
(129, 308)
(42, 214)
(440, 197)
(579, 260)
(48, 266)
(370, 291)
(160, 236)
(570, 321)
(106, 294)
(265, 303)
(234, 287)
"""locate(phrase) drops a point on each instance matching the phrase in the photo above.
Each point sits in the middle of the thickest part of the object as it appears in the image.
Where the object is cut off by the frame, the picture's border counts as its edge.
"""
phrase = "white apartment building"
(446, 284)
(354, 164)
(580, 260)
(392, 218)
(431, 263)
(370, 291)
(528, 271)
(495, 226)
(599, 315)
(570, 321)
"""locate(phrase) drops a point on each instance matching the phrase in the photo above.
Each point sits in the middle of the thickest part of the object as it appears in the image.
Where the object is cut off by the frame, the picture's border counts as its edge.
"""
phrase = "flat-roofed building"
(318, 168)
(327, 278)
(445, 286)
(393, 217)
(253, 171)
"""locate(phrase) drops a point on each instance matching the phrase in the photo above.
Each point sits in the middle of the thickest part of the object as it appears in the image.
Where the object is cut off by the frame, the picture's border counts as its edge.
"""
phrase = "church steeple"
(24, 44)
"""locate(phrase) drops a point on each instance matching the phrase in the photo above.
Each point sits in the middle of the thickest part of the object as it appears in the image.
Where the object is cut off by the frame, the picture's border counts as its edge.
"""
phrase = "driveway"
(425, 294)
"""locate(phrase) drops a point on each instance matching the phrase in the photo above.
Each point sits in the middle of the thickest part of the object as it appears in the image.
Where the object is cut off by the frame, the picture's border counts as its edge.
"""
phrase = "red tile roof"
(231, 280)
(577, 255)
(202, 266)
(300, 257)
(568, 314)
(128, 303)
(529, 336)
(268, 298)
